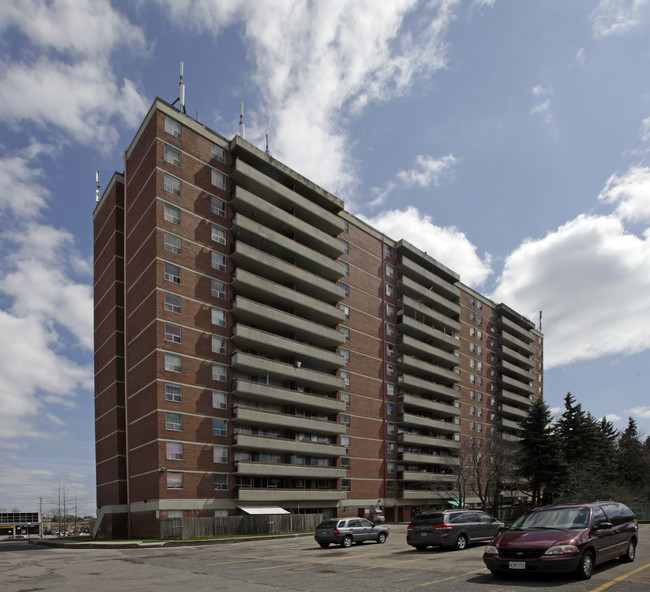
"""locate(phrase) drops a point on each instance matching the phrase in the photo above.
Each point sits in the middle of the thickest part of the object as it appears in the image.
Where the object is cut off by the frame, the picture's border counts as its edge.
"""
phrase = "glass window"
(345, 375)
(345, 463)
(390, 408)
(172, 243)
(172, 214)
(172, 273)
(174, 480)
(390, 369)
(172, 156)
(218, 261)
(390, 290)
(390, 349)
(174, 451)
(173, 392)
(390, 428)
(220, 454)
(346, 245)
(173, 127)
(174, 422)
(346, 288)
(172, 302)
(218, 289)
(390, 310)
(389, 270)
(219, 372)
(345, 419)
(172, 363)
(218, 153)
(346, 354)
(218, 344)
(346, 310)
(218, 317)
(390, 389)
(389, 251)
(390, 329)
(219, 427)
(218, 179)
(218, 234)
(219, 400)
(217, 206)
(345, 397)
(346, 332)
(172, 333)
(221, 482)
(172, 185)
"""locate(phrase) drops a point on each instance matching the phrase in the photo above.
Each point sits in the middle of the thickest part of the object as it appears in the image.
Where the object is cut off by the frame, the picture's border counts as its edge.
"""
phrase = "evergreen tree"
(630, 456)
(540, 458)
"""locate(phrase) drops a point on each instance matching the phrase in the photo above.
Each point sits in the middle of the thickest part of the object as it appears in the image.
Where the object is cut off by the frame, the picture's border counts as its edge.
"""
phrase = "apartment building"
(256, 345)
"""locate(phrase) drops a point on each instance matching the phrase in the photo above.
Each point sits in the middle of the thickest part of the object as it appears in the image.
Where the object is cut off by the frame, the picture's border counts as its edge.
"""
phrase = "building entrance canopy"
(253, 510)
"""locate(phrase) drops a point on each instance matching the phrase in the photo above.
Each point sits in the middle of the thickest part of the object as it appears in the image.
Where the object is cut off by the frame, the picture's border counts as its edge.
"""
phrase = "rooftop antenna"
(242, 127)
(181, 93)
(267, 145)
(97, 188)
(540, 320)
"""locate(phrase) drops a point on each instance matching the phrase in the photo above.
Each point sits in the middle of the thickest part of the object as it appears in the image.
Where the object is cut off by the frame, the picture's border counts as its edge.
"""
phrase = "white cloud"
(591, 279)
(631, 194)
(320, 63)
(543, 107)
(643, 412)
(617, 17)
(447, 245)
(22, 194)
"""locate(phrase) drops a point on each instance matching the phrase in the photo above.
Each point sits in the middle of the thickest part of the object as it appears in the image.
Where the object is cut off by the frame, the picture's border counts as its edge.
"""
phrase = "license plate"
(517, 565)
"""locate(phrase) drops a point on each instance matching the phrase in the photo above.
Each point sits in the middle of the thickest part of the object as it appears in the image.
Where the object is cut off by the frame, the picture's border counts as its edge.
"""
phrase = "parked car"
(345, 531)
(451, 528)
(565, 538)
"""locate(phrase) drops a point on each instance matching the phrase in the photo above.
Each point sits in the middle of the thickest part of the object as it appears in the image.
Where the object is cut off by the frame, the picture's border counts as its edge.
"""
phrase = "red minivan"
(565, 538)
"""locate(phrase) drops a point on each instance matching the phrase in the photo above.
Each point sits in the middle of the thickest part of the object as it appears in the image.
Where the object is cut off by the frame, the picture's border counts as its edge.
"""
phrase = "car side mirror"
(604, 526)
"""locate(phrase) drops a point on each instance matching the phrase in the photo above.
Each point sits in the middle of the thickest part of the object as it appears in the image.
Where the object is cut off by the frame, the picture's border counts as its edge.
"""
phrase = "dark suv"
(565, 538)
(451, 528)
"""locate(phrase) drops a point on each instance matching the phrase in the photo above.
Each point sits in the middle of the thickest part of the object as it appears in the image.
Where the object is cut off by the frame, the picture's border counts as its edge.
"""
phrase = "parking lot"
(296, 563)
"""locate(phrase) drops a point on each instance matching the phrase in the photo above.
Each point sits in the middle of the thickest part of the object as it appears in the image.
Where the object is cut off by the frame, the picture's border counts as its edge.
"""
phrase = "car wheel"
(347, 541)
(630, 554)
(420, 547)
(324, 545)
(461, 542)
(381, 537)
(586, 566)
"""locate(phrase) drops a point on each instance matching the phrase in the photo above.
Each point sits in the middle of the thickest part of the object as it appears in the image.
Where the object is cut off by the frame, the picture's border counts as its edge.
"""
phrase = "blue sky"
(510, 140)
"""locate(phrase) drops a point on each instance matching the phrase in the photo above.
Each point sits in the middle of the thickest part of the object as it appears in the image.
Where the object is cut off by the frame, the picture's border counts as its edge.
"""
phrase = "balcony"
(428, 279)
(289, 495)
(419, 349)
(513, 398)
(253, 286)
(523, 333)
(429, 441)
(437, 425)
(248, 338)
(286, 199)
(419, 385)
(514, 413)
(418, 458)
(282, 272)
(509, 425)
(420, 368)
(515, 385)
(430, 317)
(288, 470)
(258, 391)
(284, 445)
(509, 340)
(252, 206)
(517, 372)
(426, 477)
(436, 407)
(427, 496)
(277, 321)
(516, 358)
(292, 422)
(426, 334)
(409, 287)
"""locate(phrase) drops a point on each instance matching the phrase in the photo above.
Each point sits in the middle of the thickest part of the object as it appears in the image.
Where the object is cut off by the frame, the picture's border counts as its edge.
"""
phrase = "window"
(219, 427)
(346, 288)
(471, 299)
(174, 393)
(389, 251)
(472, 315)
(221, 482)
(218, 289)
(472, 379)
(346, 245)
(219, 400)
(218, 234)
(390, 290)
(172, 302)
(173, 156)
(173, 127)
(390, 329)
(346, 226)
(172, 333)
(472, 363)
(172, 273)
(174, 480)
(172, 243)
(218, 179)
(218, 206)
(172, 185)
(472, 425)
(345, 441)
(390, 408)
(346, 310)
(218, 345)
(345, 419)
(218, 153)
(479, 319)
(390, 447)
(390, 467)
(389, 270)
(345, 463)
(220, 454)
(390, 428)
(390, 369)
(174, 422)
(218, 261)
(472, 347)
(172, 363)
(346, 397)
(346, 354)
(345, 485)
(346, 267)
(345, 375)
(219, 372)
(346, 332)
(390, 389)
(479, 304)
(390, 310)
(172, 214)
(218, 317)
(472, 410)
(174, 451)
(390, 349)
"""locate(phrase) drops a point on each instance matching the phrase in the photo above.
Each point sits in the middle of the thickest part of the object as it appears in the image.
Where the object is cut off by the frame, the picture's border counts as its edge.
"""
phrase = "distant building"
(257, 345)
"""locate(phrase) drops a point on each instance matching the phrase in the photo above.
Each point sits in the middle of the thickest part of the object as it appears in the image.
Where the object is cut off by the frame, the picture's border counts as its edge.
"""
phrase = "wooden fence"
(224, 526)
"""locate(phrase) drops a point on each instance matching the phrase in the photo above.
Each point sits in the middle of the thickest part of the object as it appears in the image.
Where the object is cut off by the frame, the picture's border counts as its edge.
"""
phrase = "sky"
(509, 140)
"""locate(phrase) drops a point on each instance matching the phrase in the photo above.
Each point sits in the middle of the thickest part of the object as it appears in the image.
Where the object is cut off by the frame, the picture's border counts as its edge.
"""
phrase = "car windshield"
(554, 519)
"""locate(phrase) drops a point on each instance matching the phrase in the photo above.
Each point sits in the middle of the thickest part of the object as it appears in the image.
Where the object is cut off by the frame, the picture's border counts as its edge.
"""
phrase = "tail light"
(443, 526)
(410, 527)
(337, 532)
